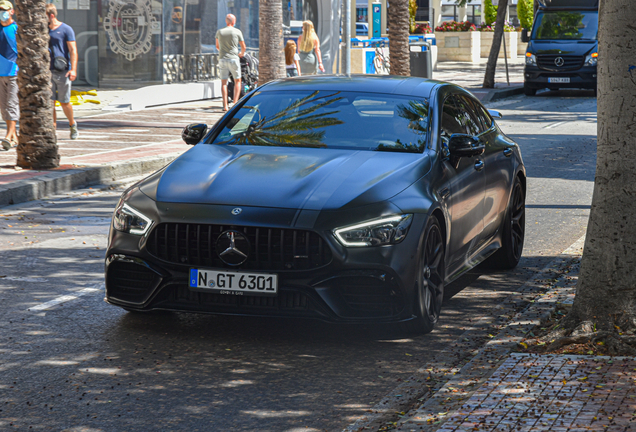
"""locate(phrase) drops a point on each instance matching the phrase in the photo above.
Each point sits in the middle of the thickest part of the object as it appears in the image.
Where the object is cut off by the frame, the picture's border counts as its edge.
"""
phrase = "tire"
(429, 286)
(513, 231)
(529, 91)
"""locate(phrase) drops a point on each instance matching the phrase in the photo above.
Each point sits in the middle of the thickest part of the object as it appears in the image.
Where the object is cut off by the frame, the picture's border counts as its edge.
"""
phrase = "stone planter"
(522, 47)
(511, 44)
(458, 46)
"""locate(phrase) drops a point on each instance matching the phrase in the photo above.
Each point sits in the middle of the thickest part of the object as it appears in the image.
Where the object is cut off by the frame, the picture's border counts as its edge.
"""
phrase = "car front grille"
(272, 249)
(547, 62)
(285, 300)
(130, 281)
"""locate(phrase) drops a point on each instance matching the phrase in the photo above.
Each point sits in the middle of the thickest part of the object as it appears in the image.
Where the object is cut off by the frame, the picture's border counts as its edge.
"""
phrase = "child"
(291, 59)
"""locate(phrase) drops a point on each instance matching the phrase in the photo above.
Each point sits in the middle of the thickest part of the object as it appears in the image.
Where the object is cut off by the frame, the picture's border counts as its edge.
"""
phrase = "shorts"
(9, 104)
(292, 72)
(60, 86)
(230, 66)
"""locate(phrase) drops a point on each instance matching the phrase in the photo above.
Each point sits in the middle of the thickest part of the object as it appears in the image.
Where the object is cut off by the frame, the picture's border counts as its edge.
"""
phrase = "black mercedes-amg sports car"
(341, 198)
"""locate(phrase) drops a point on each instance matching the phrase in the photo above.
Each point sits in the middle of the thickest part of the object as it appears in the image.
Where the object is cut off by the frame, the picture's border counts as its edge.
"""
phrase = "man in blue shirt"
(63, 51)
(9, 105)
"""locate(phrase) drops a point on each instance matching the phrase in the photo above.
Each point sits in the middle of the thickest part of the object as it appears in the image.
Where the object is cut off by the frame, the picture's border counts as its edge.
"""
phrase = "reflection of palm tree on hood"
(294, 126)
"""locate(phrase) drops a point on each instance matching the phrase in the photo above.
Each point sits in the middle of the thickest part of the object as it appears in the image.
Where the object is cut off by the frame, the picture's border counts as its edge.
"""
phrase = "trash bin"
(421, 61)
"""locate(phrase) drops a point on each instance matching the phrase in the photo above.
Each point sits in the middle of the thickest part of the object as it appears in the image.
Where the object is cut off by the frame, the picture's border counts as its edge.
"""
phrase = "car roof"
(388, 84)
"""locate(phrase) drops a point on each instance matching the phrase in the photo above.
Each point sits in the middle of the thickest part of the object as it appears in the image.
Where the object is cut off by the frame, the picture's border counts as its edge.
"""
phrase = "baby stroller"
(249, 77)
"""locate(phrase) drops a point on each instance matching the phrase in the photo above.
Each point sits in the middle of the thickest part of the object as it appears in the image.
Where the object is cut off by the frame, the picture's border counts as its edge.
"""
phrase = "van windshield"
(571, 25)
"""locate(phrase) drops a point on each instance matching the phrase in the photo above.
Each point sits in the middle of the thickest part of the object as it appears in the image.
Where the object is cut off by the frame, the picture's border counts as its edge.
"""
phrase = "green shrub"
(525, 11)
(490, 12)
(412, 12)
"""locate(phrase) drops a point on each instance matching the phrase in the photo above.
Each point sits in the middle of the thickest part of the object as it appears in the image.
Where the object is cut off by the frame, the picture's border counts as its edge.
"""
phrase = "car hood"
(298, 178)
(555, 47)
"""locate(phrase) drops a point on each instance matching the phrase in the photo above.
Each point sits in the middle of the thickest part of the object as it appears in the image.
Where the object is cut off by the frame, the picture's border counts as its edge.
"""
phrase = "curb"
(65, 181)
(497, 94)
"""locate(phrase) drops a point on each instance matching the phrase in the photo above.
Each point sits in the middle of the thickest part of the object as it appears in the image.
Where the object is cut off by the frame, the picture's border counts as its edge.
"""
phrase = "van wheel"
(529, 91)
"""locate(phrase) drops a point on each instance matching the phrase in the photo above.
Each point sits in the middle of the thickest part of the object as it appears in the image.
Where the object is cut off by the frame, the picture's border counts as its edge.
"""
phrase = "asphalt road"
(83, 365)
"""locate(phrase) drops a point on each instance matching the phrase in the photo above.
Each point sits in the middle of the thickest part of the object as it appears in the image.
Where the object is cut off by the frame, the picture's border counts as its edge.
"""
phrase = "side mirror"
(462, 145)
(525, 38)
(193, 133)
(495, 113)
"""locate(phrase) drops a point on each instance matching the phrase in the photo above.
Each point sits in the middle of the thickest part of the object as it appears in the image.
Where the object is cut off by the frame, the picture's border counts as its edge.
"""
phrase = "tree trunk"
(37, 148)
(270, 52)
(491, 66)
(399, 54)
(606, 291)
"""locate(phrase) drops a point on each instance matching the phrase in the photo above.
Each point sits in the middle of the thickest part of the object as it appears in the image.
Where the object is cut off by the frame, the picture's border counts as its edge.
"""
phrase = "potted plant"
(487, 33)
(459, 41)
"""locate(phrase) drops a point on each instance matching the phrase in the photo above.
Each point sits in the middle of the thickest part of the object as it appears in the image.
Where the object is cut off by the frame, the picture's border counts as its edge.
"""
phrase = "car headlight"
(591, 59)
(378, 232)
(531, 59)
(127, 219)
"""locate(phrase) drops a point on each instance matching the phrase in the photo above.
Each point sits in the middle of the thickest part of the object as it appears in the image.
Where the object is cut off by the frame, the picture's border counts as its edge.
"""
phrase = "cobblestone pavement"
(555, 393)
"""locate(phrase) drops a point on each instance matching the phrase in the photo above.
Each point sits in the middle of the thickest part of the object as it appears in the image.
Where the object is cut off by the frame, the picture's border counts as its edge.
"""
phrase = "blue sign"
(377, 16)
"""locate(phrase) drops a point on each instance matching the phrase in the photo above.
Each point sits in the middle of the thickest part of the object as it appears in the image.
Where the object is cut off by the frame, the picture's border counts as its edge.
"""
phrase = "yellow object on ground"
(77, 97)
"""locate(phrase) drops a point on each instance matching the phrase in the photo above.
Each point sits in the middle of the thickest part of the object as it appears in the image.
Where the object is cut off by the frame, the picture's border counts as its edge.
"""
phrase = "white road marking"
(66, 298)
(174, 141)
(554, 125)
(133, 130)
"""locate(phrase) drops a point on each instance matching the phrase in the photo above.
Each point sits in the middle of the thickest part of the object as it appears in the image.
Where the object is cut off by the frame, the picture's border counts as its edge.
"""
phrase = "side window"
(485, 117)
(469, 118)
(451, 119)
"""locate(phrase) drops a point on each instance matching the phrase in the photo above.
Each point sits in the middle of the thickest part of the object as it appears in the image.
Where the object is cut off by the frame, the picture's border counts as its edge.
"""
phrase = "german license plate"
(233, 282)
(559, 80)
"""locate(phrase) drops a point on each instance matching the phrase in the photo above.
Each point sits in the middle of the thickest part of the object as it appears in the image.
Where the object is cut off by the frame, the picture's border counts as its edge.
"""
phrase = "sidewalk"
(119, 144)
(500, 390)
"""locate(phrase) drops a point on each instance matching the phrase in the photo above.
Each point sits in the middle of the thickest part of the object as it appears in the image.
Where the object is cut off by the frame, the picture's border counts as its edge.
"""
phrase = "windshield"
(329, 119)
(566, 25)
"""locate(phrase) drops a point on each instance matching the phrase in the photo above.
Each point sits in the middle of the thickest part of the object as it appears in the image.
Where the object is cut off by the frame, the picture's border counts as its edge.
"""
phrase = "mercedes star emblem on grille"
(237, 211)
(232, 247)
(559, 61)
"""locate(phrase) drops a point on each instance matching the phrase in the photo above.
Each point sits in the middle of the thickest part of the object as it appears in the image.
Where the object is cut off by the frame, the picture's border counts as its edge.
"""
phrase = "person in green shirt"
(228, 41)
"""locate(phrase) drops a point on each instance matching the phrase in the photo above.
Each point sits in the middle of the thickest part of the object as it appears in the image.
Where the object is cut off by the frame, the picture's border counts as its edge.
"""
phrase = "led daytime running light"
(125, 215)
(400, 224)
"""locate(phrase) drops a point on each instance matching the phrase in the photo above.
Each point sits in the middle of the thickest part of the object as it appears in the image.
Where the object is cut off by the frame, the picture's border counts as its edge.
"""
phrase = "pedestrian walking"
(9, 105)
(309, 50)
(228, 41)
(63, 50)
(292, 59)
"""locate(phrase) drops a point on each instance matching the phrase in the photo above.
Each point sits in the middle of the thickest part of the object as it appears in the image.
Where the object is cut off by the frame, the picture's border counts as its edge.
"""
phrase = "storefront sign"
(129, 27)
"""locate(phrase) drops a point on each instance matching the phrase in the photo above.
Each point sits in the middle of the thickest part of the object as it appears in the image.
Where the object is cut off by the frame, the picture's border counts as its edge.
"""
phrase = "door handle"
(507, 152)
(479, 164)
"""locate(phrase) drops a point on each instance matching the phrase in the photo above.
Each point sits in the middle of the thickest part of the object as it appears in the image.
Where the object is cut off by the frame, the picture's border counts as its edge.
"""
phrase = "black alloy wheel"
(429, 286)
(514, 230)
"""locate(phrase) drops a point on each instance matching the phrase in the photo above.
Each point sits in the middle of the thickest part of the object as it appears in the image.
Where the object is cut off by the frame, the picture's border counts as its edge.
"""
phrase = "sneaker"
(6, 144)
(74, 132)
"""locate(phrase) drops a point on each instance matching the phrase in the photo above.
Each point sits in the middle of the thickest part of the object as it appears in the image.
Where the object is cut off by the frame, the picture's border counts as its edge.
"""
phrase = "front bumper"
(358, 284)
(537, 78)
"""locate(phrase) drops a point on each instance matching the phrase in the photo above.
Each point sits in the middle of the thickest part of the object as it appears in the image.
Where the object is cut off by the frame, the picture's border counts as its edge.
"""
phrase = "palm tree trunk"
(270, 52)
(491, 66)
(399, 54)
(37, 148)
